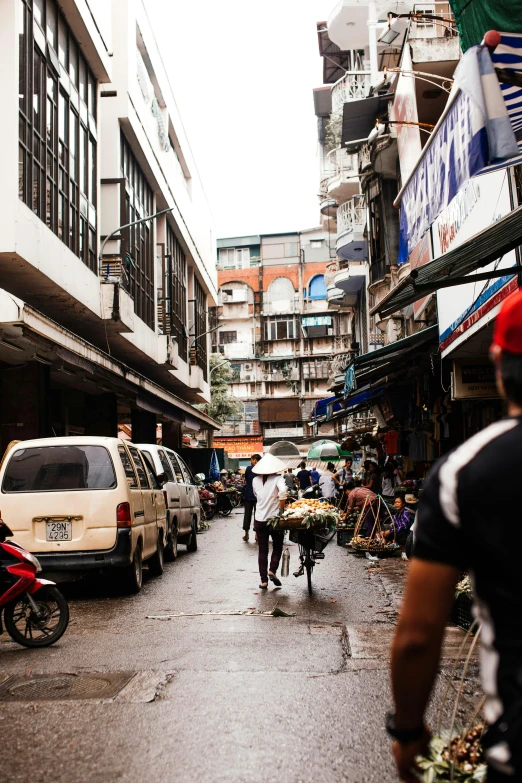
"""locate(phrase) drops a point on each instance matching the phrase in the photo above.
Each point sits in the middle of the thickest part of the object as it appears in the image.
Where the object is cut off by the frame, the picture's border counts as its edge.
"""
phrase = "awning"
(325, 408)
(477, 132)
(452, 267)
(359, 120)
(388, 352)
(323, 101)
(475, 19)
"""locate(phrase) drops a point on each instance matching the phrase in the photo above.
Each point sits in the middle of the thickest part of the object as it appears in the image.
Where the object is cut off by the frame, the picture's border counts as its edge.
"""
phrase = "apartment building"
(281, 337)
(387, 127)
(101, 323)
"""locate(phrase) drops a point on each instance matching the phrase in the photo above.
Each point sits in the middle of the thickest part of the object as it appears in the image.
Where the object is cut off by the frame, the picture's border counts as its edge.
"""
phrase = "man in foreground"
(461, 525)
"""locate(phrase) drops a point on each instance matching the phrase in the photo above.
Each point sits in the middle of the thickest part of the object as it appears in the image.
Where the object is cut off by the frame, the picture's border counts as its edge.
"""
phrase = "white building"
(94, 141)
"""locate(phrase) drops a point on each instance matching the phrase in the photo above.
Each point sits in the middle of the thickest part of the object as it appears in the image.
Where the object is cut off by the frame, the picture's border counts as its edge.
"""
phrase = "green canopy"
(475, 17)
(327, 450)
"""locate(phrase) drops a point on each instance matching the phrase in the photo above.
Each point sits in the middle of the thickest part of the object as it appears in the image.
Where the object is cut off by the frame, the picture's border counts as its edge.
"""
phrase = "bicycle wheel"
(309, 566)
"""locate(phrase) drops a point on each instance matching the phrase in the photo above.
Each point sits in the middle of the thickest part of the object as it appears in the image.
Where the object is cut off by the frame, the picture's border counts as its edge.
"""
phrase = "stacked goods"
(348, 521)
(373, 545)
(463, 753)
(307, 513)
(217, 486)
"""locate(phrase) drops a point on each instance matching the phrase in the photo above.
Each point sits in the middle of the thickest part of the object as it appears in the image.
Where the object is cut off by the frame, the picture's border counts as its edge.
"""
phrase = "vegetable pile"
(313, 513)
(373, 544)
(463, 752)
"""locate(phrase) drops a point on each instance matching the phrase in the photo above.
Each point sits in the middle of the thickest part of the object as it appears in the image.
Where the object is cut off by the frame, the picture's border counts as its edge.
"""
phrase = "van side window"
(186, 472)
(177, 469)
(165, 464)
(128, 468)
(138, 464)
(149, 467)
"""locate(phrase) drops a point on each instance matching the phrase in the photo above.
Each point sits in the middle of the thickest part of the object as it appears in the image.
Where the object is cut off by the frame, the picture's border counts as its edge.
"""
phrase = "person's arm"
(416, 649)
(282, 490)
(351, 501)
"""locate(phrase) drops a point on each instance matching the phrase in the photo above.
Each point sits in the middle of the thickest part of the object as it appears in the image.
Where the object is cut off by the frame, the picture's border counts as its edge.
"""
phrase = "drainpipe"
(372, 40)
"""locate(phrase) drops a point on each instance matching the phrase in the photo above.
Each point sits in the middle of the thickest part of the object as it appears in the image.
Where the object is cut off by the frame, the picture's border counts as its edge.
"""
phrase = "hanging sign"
(473, 380)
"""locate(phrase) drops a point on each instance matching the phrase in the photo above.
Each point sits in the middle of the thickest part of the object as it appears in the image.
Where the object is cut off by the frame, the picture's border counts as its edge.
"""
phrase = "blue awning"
(326, 407)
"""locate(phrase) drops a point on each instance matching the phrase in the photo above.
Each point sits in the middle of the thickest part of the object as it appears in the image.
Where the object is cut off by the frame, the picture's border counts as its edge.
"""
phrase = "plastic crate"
(344, 536)
(461, 613)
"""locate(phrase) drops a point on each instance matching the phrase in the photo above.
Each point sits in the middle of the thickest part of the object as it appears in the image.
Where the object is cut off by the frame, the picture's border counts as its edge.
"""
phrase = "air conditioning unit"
(266, 377)
(247, 366)
(247, 377)
(225, 298)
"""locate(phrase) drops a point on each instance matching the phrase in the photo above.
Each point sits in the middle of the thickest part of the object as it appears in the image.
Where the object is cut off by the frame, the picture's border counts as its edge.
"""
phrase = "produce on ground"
(373, 544)
(463, 752)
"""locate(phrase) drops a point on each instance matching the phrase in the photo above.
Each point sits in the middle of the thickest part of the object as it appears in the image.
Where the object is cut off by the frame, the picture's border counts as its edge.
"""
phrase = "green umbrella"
(325, 450)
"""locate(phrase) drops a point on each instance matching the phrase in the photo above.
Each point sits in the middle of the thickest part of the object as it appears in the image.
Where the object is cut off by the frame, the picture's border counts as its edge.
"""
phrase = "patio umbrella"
(324, 450)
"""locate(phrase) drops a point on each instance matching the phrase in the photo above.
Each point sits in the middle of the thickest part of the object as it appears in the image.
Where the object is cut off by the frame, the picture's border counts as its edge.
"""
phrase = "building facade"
(402, 194)
(101, 323)
(276, 327)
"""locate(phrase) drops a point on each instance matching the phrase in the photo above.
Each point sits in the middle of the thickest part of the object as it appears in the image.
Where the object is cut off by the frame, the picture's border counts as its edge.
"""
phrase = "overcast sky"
(242, 73)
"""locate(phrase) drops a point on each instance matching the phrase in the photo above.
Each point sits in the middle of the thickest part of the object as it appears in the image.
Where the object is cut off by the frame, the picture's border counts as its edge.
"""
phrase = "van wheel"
(171, 550)
(192, 544)
(156, 561)
(133, 573)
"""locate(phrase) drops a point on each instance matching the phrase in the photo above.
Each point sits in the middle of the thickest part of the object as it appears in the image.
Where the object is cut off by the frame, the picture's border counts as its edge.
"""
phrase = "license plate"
(59, 531)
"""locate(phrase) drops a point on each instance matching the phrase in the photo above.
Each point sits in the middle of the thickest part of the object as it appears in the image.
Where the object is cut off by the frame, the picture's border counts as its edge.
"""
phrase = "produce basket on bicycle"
(316, 515)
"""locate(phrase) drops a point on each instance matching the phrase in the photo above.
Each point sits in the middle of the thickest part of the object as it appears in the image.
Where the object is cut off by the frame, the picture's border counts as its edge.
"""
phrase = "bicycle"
(311, 548)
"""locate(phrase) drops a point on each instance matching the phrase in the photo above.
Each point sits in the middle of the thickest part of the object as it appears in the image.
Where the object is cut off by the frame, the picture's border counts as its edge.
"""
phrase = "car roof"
(154, 446)
(69, 440)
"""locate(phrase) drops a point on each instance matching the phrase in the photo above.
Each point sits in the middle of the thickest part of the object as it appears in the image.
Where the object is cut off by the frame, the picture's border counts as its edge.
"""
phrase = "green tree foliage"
(222, 405)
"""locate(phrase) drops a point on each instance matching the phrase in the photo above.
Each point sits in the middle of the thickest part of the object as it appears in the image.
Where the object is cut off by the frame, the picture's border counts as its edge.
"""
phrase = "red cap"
(508, 326)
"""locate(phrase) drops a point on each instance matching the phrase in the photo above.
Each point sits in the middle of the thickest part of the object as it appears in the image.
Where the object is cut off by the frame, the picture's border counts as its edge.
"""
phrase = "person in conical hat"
(271, 492)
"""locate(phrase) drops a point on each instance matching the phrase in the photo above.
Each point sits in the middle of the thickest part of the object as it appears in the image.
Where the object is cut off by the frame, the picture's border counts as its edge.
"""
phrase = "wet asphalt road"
(241, 699)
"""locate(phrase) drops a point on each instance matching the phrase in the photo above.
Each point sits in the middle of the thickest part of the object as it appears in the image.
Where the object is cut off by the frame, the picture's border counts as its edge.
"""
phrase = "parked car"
(85, 503)
(182, 497)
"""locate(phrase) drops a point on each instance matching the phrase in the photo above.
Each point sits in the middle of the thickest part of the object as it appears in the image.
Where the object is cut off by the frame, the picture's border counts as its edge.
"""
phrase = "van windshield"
(59, 469)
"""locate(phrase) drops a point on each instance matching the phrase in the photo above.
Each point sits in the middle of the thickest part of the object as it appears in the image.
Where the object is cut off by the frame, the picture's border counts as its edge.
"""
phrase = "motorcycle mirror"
(200, 477)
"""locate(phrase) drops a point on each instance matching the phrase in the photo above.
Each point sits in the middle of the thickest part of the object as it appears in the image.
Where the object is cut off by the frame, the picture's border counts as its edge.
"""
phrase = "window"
(128, 467)
(316, 242)
(281, 290)
(138, 464)
(187, 475)
(317, 287)
(176, 291)
(137, 246)
(280, 329)
(165, 464)
(291, 249)
(200, 325)
(59, 469)
(55, 121)
(234, 258)
(177, 469)
(225, 338)
(149, 467)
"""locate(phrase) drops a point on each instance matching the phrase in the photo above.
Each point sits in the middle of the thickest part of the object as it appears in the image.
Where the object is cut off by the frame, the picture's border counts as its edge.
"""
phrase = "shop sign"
(482, 202)
(317, 320)
(284, 432)
(473, 380)
(405, 110)
(240, 448)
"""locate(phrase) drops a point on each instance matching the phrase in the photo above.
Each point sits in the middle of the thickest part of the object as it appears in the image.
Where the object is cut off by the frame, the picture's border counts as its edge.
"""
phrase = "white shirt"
(327, 485)
(268, 496)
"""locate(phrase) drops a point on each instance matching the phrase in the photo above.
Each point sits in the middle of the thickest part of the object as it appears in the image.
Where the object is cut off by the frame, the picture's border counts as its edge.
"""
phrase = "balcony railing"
(378, 270)
(350, 87)
(341, 164)
(332, 268)
(364, 157)
(351, 215)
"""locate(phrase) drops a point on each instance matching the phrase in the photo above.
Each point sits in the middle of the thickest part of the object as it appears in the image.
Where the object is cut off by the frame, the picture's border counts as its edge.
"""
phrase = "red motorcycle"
(35, 612)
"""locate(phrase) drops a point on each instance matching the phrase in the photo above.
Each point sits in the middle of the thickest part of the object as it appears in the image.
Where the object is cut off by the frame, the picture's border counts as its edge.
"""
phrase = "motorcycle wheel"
(31, 630)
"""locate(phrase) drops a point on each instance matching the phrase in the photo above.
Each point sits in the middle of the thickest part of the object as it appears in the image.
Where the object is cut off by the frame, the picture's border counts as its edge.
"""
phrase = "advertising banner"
(473, 380)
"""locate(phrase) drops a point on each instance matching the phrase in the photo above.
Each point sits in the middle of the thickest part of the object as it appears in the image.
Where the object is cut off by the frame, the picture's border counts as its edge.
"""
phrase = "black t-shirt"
(470, 516)
(303, 478)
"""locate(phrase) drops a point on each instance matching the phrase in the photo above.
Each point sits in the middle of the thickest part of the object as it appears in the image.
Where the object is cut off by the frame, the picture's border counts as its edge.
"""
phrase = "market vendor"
(271, 492)
(403, 520)
(359, 498)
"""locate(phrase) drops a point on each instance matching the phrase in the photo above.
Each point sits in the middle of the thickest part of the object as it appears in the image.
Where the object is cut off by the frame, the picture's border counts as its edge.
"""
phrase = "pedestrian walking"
(462, 525)
(304, 477)
(327, 482)
(315, 476)
(270, 491)
(249, 499)
(290, 479)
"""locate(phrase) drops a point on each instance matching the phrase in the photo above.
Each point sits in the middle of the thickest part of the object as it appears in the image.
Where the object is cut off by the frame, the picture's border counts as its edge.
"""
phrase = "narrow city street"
(211, 698)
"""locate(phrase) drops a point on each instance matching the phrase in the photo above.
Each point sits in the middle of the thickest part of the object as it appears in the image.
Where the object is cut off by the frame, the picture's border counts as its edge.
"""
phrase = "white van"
(84, 503)
(182, 498)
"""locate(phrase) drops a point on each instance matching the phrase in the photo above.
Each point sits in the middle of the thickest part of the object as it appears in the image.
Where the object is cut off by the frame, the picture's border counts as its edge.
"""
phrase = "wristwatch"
(402, 735)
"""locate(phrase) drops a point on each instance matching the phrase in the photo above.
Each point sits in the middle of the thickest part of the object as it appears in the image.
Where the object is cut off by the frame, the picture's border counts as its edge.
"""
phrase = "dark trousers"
(263, 535)
(249, 506)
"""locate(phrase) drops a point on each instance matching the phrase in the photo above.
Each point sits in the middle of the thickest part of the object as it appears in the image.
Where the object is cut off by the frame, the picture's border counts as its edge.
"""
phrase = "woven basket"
(290, 524)
(381, 550)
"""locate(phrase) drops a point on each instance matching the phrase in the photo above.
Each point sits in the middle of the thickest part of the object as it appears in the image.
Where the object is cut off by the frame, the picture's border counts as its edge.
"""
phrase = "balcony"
(343, 182)
(344, 281)
(279, 377)
(353, 86)
(351, 244)
(328, 207)
(378, 271)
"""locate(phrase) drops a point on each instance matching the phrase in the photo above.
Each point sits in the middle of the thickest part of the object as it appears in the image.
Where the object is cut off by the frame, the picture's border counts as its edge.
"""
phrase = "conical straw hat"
(268, 465)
